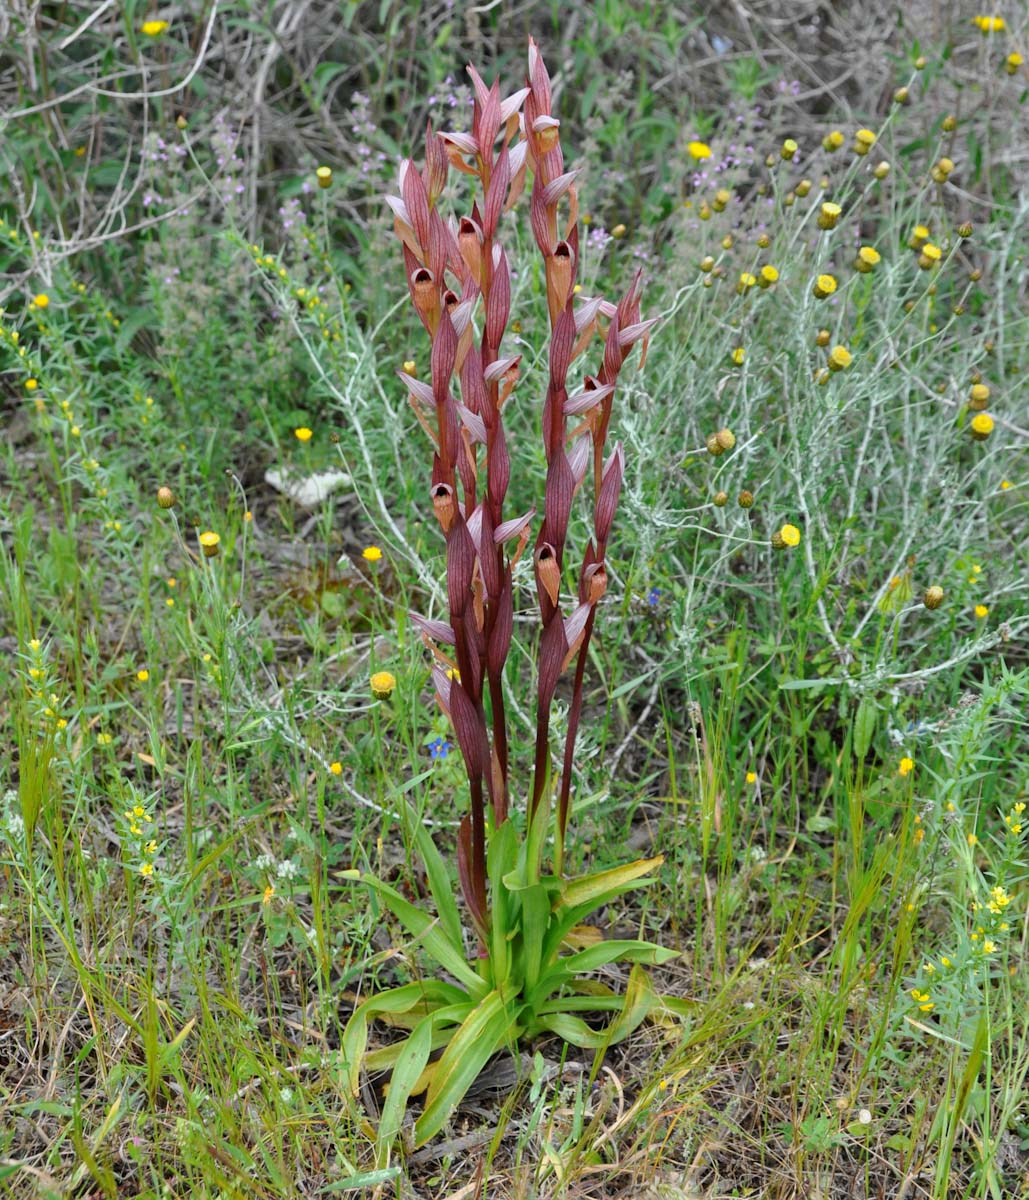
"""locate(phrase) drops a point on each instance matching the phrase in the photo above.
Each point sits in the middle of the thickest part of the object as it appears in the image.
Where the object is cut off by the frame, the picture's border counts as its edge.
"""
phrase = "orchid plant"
(529, 951)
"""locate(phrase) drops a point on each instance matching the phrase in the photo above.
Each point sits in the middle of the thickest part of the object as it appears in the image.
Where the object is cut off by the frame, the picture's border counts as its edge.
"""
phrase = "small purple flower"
(654, 597)
(439, 748)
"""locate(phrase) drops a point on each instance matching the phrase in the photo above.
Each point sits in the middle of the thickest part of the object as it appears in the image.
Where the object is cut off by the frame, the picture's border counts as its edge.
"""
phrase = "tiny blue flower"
(439, 748)
(654, 597)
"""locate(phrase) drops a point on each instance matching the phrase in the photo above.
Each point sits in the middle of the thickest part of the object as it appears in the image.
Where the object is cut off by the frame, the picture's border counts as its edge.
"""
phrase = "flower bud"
(788, 150)
(165, 497)
(822, 337)
(745, 499)
(881, 169)
(324, 176)
(720, 499)
(950, 123)
(722, 198)
(803, 188)
(978, 397)
(209, 542)
(726, 438)
(902, 96)
(933, 597)
(706, 263)
(965, 229)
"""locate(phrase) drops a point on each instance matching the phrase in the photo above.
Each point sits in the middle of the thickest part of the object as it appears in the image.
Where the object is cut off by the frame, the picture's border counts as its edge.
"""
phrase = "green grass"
(850, 938)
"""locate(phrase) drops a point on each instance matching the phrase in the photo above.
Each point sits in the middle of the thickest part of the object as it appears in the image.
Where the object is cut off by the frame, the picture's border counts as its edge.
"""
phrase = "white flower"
(287, 869)
(264, 862)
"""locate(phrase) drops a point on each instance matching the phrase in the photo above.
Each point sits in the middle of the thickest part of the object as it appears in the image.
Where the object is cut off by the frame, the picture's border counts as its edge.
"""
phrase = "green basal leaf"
(535, 901)
(580, 891)
(502, 857)
(397, 1000)
(410, 1064)
(488, 1027)
(429, 932)
(638, 1001)
(591, 959)
(440, 884)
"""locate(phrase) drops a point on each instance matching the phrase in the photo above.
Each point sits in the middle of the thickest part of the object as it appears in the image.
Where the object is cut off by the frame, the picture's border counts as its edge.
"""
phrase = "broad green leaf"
(638, 1001)
(535, 902)
(396, 1000)
(579, 891)
(502, 858)
(429, 932)
(591, 959)
(483, 1033)
(440, 884)
(409, 1066)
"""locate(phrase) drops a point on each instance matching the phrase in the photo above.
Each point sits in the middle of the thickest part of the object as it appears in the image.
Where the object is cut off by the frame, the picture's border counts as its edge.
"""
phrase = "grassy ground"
(835, 770)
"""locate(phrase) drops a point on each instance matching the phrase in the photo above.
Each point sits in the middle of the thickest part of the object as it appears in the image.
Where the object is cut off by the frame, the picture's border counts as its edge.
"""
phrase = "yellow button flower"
(840, 358)
(41, 301)
(209, 542)
(981, 611)
(371, 554)
(382, 684)
(153, 28)
(825, 285)
(303, 434)
(907, 765)
(981, 426)
(699, 150)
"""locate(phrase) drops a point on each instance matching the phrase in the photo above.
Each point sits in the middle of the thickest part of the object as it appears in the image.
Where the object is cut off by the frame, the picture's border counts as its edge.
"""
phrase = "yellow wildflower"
(153, 28)
(303, 434)
(907, 765)
(382, 684)
(699, 150)
(371, 554)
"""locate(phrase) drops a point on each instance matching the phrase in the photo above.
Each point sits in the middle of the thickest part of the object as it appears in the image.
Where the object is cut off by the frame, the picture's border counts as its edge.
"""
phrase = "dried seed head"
(933, 597)
(165, 497)
(777, 541)
(726, 438)
(714, 446)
